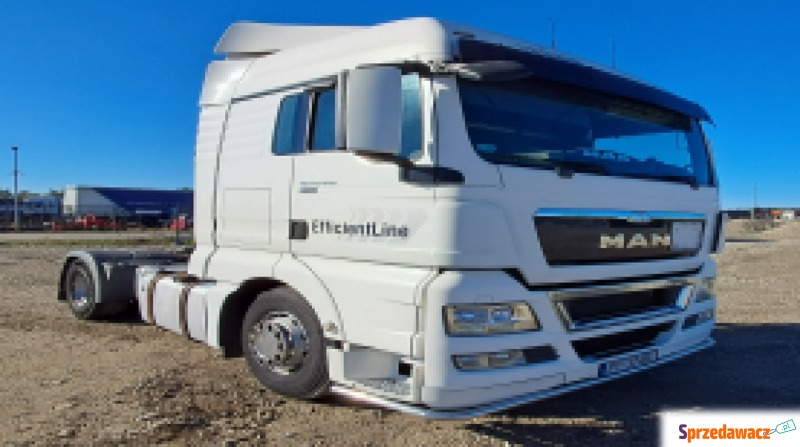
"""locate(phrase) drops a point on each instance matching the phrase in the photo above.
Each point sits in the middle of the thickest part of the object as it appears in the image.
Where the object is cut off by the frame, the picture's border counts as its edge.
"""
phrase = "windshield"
(551, 126)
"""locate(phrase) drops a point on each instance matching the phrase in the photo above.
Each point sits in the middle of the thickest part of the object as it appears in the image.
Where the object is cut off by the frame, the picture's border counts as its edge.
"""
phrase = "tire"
(79, 289)
(284, 346)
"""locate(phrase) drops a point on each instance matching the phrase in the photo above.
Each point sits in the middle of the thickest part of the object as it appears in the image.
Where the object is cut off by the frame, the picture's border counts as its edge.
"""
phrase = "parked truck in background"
(430, 217)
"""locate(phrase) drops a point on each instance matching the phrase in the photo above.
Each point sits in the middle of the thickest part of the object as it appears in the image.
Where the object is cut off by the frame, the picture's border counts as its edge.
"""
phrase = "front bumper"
(588, 334)
(511, 402)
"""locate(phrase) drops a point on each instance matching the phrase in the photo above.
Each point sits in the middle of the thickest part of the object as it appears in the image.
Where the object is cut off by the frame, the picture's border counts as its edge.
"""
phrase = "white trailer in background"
(83, 200)
(432, 217)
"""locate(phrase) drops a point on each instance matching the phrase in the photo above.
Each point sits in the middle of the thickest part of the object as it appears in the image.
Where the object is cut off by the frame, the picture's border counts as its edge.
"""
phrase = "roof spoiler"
(257, 39)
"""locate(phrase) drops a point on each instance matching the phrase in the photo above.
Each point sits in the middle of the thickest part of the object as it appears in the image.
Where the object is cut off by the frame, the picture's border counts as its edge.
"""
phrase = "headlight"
(477, 319)
(705, 290)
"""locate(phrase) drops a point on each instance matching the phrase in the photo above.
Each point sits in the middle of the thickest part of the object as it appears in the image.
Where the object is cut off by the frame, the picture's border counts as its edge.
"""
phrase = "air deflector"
(552, 66)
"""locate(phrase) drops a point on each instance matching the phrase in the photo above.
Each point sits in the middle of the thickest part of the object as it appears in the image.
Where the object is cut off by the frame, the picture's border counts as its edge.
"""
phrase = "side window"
(290, 125)
(323, 126)
(411, 137)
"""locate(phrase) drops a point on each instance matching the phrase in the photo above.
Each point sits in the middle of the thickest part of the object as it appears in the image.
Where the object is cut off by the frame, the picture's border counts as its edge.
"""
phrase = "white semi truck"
(430, 217)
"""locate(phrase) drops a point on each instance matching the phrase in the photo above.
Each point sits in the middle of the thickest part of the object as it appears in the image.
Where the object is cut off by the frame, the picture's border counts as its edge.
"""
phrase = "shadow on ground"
(735, 240)
(750, 367)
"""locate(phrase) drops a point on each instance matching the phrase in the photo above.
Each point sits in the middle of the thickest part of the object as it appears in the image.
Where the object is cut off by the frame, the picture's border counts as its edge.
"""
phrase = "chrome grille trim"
(630, 216)
(560, 298)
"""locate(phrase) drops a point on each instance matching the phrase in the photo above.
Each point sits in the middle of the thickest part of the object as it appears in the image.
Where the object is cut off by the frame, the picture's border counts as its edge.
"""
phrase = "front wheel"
(284, 346)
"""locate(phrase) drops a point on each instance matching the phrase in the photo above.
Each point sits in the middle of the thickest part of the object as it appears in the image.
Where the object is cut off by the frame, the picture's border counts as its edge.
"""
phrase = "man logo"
(637, 240)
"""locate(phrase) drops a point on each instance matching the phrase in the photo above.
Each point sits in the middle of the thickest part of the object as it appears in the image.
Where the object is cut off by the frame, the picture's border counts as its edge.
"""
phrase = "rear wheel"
(80, 291)
(284, 345)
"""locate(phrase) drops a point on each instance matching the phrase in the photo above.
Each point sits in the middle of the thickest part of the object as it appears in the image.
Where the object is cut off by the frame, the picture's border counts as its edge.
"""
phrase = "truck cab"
(437, 218)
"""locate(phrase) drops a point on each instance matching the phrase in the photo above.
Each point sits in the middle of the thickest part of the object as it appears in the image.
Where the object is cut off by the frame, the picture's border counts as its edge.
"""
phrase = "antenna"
(552, 32)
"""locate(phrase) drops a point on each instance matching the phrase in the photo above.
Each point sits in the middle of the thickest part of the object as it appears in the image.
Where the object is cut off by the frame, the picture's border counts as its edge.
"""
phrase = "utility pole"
(16, 191)
(552, 33)
(755, 200)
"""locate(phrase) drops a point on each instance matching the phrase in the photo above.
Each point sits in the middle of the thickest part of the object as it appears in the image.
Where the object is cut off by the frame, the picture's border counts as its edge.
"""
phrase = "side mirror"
(371, 110)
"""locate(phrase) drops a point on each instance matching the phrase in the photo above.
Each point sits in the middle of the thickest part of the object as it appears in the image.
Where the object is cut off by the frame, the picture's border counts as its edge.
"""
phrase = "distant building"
(46, 206)
(764, 213)
(739, 214)
(127, 202)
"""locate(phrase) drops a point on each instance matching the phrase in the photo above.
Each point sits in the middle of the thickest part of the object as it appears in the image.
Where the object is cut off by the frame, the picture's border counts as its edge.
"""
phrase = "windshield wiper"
(564, 168)
(568, 168)
(516, 159)
(686, 179)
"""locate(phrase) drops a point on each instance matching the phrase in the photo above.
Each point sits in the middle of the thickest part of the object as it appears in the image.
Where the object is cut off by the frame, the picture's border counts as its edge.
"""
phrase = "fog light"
(471, 361)
(506, 359)
(491, 360)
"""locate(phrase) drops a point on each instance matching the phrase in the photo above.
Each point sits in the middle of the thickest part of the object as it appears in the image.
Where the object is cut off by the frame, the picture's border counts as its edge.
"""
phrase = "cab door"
(363, 229)
(355, 207)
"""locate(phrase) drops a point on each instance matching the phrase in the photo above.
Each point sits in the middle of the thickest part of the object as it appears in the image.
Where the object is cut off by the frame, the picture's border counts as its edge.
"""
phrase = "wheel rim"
(279, 342)
(80, 289)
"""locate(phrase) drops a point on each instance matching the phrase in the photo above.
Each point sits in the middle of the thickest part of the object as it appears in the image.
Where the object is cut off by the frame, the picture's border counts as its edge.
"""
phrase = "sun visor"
(551, 66)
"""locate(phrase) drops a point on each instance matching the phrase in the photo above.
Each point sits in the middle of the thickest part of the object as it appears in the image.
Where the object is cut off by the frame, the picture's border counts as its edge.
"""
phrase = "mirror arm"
(340, 130)
(422, 175)
(384, 157)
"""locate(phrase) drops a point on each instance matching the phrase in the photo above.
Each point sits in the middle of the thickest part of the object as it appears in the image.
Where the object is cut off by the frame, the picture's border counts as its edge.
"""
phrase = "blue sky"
(104, 92)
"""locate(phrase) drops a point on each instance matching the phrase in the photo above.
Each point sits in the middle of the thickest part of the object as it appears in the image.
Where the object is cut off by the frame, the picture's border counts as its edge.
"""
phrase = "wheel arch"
(288, 272)
(233, 310)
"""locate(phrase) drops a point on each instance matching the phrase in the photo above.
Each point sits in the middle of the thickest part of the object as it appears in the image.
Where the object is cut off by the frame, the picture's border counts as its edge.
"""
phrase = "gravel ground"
(68, 382)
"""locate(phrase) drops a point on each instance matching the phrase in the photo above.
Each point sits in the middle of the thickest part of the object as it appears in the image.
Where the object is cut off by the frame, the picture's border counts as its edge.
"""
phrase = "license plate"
(686, 236)
(627, 363)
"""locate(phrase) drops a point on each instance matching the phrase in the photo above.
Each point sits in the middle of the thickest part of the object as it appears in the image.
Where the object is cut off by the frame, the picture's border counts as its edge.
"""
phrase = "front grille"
(585, 237)
(619, 343)
(591, 308)
(539, 354)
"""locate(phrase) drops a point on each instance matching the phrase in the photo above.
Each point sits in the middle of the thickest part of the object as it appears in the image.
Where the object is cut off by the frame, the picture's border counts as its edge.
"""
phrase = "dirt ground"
(69, 382)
